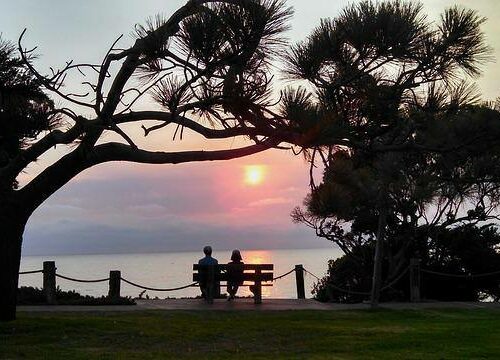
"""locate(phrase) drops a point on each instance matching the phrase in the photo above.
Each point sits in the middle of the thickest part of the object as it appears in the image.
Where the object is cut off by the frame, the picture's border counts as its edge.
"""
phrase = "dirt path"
(247, 305)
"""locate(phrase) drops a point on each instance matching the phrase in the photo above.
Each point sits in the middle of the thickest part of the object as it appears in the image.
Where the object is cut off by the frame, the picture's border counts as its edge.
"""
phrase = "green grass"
(422, 334)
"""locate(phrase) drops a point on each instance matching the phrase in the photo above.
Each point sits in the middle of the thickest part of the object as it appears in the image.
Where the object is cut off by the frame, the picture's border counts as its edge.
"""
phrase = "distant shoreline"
(175, 251)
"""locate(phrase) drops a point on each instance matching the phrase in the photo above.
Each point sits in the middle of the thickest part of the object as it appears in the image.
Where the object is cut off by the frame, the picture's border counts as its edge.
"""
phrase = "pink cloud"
(270, 202)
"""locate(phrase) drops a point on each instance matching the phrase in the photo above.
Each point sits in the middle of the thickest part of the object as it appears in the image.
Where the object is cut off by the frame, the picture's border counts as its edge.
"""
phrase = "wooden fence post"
(49, 281)
(299, 279)
(115, 277)
(414, 280)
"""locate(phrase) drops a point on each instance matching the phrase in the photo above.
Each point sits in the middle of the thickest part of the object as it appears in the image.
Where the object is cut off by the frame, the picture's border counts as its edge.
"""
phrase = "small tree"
(207, 66)
(367, 70)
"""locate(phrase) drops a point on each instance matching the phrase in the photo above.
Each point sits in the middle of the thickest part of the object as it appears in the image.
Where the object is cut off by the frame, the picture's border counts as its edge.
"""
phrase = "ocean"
(174, 269)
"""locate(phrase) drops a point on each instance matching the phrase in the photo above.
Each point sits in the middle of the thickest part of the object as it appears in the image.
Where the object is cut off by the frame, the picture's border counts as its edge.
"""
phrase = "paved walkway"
(247, 304)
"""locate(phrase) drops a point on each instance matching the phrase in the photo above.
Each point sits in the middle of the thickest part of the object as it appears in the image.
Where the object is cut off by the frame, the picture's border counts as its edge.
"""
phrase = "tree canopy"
(25, 109)
(368, 68)
(392, 118)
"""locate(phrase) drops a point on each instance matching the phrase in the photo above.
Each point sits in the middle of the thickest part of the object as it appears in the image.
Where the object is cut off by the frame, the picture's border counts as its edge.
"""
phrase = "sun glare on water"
(254, 174)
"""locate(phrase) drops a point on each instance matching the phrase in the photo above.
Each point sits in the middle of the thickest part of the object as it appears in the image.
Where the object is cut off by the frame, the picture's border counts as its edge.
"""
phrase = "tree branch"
(121, 152)
(25, 157)
(168, 118)
(58, 174)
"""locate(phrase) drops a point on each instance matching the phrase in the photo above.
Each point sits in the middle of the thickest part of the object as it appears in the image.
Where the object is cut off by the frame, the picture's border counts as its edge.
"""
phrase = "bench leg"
(257, 298)
(210, 295)
(257, 293)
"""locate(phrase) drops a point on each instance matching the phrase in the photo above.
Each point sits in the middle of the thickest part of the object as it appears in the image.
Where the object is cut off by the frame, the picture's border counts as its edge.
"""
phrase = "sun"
(254, 174)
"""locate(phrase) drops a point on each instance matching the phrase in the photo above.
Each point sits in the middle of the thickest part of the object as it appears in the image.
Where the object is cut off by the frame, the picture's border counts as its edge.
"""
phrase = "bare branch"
(49, 84)
(123, 134)
(140, 93)
(103, 73)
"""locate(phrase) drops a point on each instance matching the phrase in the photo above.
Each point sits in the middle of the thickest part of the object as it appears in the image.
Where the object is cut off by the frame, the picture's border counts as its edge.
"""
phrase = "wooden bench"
(253, 276)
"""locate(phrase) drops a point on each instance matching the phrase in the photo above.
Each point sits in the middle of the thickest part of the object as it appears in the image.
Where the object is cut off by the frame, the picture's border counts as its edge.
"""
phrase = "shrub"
(27, 295)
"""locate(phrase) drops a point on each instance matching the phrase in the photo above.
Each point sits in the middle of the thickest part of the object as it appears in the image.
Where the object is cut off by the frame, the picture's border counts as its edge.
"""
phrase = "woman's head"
(236, 256)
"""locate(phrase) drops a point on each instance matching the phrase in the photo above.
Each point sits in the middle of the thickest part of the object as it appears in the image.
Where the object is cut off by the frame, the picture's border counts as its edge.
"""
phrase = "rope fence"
(81, 280)
(285, 274)
(347, 291)
(310, 273)
(114, 279)
(467, 275)
(402, 274)
(50, 274)
(393, 282)
(31, 272)
(464, 276)
(158, 289)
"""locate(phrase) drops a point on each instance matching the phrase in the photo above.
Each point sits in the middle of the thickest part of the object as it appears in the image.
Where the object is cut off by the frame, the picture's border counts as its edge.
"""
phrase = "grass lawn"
(384, 334)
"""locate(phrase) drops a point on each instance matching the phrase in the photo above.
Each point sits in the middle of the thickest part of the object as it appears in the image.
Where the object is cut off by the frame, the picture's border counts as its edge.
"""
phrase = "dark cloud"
(185, 193)
(71, 237)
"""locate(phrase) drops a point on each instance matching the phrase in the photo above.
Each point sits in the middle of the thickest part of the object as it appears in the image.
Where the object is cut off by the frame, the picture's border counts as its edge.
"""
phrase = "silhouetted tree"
(367, 70)
(465, 249)
(431, 195)
(207, 66)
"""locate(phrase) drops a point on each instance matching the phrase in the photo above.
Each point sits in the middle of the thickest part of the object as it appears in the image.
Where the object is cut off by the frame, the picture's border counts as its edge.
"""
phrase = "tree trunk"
(379, 250)
(12, 228)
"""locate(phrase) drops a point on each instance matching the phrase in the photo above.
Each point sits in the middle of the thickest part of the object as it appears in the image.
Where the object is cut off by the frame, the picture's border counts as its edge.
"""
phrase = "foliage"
(374, 63)
(466, 249)
(25, 110)
(469, 250)
(431, 196)
(348, 278)
(27, 295)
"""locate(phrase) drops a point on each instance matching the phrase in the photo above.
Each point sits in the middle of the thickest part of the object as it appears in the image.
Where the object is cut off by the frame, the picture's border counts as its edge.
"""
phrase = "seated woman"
(235, 274)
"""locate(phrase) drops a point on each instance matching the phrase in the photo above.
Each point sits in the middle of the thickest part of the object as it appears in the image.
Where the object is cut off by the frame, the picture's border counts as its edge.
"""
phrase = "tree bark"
(12, 228)
(379, 249)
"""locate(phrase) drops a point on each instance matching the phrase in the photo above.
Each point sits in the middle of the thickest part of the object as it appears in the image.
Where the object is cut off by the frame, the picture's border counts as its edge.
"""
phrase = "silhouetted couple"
(235, 274)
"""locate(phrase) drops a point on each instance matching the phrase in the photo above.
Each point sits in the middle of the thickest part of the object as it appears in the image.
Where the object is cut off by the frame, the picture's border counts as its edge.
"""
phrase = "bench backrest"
(251, 272)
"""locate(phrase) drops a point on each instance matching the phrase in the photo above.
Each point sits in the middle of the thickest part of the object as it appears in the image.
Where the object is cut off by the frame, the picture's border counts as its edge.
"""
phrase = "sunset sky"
(123, 207)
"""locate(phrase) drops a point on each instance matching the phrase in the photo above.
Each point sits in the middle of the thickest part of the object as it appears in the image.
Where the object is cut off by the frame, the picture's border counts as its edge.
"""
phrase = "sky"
(124, 207)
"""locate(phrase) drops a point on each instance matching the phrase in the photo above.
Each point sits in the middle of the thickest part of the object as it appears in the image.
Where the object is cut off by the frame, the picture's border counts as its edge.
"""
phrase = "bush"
(27, 295)
(461, 250)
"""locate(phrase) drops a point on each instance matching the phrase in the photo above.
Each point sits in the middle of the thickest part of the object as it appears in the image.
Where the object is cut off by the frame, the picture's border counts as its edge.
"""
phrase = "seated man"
(207, 260)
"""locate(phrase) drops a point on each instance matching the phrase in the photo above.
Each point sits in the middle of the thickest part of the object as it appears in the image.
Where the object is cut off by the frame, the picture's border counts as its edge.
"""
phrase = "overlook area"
(250, 178)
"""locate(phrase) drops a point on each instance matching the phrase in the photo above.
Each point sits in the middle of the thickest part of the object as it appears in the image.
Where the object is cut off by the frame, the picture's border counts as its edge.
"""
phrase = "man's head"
(207, 250)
